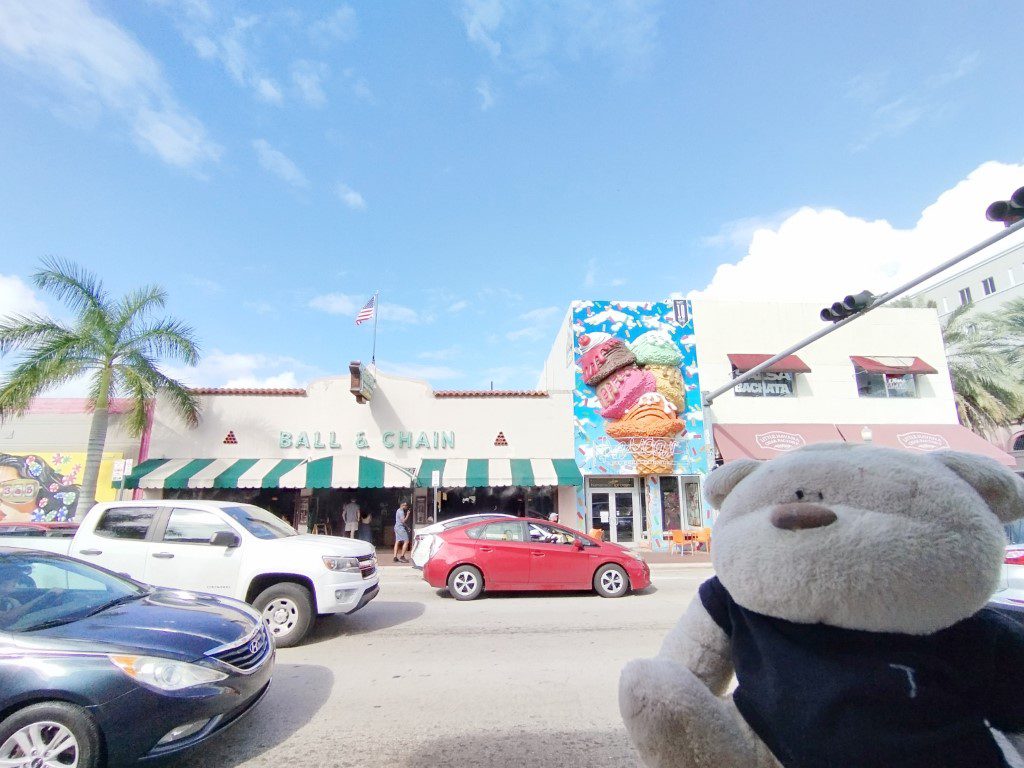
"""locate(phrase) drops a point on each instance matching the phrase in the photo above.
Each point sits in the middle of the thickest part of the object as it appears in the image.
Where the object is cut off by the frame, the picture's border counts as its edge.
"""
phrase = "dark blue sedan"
(95, 667)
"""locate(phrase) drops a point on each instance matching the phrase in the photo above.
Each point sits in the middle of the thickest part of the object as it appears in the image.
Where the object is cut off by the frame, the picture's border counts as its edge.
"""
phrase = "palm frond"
(28, 330)
(137, 304)
(34, 376)
(76, 287)
(140, 372)
(165, 338)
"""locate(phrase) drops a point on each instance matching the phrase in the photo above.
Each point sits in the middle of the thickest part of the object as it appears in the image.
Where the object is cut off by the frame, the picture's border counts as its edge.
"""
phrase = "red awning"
(925, 438)
(788, 364)
(766, 441)
(894, 365)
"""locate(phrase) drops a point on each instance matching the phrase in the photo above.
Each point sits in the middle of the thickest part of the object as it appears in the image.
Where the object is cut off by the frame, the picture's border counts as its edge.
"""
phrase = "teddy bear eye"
(800, 494)
(821, 496)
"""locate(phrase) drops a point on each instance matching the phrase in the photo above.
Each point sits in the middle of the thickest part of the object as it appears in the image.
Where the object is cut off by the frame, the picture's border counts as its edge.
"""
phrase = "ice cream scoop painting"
(639, 359)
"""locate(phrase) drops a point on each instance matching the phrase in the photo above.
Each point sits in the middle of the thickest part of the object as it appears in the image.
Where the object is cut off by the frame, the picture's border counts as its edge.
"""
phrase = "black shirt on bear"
(826, 697)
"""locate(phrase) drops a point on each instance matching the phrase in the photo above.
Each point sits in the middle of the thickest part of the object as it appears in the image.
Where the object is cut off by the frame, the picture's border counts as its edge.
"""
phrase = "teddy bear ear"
(722, 480)
(1001, 488)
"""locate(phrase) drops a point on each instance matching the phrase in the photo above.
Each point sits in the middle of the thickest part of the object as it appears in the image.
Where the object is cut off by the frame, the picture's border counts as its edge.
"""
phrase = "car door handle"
(163, 555)
(486, 549)
(90, 551)
(537, 554)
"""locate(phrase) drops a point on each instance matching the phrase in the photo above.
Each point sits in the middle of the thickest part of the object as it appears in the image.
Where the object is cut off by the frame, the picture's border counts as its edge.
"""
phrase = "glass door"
(625, 520)
(600, 512)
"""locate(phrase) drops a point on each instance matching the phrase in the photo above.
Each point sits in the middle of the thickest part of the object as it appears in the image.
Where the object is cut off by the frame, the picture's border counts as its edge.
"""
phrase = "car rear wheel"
(611, 581)
(50, 734)
(287, 610)
(465, 583)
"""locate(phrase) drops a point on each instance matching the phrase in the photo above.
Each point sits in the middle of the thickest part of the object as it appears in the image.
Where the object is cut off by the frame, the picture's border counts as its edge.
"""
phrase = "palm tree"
(986, 384)
(114, 344)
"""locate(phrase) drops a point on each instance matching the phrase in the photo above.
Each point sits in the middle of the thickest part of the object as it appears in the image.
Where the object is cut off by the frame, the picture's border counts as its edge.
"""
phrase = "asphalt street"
(417, 680)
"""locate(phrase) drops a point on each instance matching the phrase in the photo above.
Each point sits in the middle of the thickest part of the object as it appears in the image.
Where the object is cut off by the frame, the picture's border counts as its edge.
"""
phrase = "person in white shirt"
(350, 517)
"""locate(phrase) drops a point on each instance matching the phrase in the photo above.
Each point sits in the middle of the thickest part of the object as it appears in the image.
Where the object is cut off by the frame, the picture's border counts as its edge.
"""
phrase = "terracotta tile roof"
(490, 393)
(248, 391)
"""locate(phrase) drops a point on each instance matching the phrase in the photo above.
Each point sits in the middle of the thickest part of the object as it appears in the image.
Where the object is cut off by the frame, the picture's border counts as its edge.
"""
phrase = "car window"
(60, 533)
(193, 526)
(548, 534)
(19, 530)
(506, 530)
(259, 522)
(125, 522)
(37, 590)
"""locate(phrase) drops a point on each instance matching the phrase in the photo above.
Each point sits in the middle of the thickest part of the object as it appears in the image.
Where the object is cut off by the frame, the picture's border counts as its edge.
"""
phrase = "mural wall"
(637, 407)
(45, 487)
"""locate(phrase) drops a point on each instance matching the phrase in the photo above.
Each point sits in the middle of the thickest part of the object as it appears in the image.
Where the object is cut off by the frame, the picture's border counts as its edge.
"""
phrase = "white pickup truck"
(231, 549)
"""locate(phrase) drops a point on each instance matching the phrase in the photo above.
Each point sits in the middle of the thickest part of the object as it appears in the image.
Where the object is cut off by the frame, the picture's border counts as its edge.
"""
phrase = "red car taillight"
(1014, 557)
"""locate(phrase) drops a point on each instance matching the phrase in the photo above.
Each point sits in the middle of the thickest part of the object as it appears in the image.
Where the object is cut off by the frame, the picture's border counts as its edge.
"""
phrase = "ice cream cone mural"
(638, 359)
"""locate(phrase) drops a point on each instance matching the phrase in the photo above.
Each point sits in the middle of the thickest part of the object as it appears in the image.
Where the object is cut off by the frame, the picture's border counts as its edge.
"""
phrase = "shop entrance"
(614, 508)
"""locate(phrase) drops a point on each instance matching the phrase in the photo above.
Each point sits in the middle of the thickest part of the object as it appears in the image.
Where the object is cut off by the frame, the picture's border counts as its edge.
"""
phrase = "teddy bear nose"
(800, 515)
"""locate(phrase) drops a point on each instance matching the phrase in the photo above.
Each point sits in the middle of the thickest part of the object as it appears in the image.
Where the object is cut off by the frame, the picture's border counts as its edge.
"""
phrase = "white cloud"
(458, 306)
(268, 90)
(279, 164)
(238, 369)
(538, 324)
(483, 87)
(18, 298)
(350, 197)
(339, 25)
(529, 36)
(308, 78)
(346, 304)
(84, 57)
(821, 255)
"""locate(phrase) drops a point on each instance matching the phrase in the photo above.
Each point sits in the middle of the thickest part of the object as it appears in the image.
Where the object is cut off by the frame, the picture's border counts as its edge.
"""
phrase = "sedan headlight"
(165, 674)
(342, 564)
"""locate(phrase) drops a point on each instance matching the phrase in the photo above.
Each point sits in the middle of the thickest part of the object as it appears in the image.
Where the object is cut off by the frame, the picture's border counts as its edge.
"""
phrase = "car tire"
(465, 583)
(287, 610)
(611, 581)
(57, 725)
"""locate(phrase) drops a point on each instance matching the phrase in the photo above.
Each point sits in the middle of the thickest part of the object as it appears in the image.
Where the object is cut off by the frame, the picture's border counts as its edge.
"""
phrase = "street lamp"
(865, 434)
(1009, 212)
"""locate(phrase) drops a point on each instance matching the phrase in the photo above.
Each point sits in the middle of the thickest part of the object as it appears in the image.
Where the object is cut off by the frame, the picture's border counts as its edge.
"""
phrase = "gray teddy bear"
(849, 603)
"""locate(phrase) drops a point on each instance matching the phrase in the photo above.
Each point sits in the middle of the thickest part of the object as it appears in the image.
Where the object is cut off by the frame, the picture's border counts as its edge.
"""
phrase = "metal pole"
(709, 397)
(376, 312)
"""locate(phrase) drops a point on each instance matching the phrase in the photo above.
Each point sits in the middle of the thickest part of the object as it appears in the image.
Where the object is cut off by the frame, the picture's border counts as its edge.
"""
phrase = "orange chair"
(703, 536)
(597, 533)
(682, 539)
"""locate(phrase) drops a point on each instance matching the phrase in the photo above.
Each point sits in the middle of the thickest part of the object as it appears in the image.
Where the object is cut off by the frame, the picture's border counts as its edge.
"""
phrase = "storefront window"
(885, 384)
(691, 492)
(538, 502)
(670, 508)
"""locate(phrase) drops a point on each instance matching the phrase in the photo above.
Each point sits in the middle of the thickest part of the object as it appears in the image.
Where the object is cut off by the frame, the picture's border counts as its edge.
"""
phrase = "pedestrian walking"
(350, 517)
(401, 532)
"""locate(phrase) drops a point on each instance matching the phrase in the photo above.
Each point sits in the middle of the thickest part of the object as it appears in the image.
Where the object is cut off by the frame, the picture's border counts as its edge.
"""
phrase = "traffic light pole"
(709, 397)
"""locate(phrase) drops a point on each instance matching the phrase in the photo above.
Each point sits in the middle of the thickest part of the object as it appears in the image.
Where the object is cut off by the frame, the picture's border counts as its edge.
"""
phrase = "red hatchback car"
(522, 554)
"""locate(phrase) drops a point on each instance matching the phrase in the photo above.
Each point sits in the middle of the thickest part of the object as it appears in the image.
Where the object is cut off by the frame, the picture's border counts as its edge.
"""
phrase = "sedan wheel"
(54, 735)
(465, 583)
(611, 581)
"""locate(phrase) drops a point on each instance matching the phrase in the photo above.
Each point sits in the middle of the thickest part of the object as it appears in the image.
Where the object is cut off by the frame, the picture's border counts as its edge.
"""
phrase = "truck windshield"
(259, 522)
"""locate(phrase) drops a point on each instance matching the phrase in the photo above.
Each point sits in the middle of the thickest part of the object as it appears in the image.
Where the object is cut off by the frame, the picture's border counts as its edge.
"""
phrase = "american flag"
(366, 313)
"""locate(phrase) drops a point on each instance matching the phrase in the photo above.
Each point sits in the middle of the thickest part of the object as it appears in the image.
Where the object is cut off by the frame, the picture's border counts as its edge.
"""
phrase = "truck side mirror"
(225, 539)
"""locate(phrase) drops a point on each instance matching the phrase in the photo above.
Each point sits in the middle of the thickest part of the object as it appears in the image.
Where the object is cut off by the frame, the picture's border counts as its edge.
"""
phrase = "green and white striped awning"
(480, 473)
(326, 472)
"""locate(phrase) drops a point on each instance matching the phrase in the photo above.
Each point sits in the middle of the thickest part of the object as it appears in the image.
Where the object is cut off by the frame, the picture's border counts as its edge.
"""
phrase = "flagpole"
(376, 311)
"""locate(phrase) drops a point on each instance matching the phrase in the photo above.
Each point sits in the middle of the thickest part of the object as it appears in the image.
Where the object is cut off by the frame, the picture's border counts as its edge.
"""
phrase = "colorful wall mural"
(637, 406)
(44, 487)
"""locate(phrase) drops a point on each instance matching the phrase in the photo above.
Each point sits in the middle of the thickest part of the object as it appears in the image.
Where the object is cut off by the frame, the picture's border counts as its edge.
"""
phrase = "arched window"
(1018, 442)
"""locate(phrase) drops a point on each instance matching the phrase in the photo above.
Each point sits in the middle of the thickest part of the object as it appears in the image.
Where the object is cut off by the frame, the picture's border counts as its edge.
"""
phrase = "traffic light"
(849, 306)
(1007, 211)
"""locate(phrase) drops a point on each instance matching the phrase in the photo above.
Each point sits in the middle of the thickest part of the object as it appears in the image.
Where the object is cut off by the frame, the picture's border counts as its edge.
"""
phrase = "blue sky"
(482, 163)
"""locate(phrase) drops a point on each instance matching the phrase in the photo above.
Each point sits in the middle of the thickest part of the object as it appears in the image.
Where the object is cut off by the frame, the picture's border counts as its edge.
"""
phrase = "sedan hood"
(166, 622)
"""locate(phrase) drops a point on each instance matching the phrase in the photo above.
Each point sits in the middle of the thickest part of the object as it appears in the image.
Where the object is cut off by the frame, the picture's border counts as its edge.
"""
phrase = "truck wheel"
(611, 581)
(287, 610)
(465, 583)
(53, 733)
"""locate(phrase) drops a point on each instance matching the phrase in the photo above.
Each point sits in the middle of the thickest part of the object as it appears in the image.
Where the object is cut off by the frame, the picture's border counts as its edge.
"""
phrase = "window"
(670, 511)
(965, 296)
(510, 530)
(550, 535)
(885, 384)
(193, 526)
(989, 285)
(766, 384)
(259, 522)
(126, 522)
(1018, 442)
